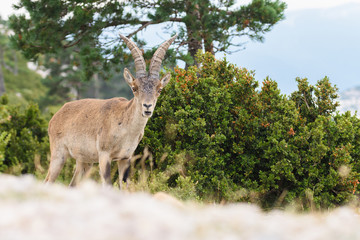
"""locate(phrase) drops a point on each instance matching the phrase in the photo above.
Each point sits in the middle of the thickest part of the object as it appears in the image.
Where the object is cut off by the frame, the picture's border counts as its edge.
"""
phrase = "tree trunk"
(97, 86)
(209, 46)
(16, 69)
(194, 46)
(2, 81)
(193, 28)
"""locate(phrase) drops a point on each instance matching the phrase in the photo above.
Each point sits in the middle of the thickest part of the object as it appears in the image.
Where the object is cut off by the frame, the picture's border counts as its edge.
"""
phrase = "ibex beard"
(96, 130)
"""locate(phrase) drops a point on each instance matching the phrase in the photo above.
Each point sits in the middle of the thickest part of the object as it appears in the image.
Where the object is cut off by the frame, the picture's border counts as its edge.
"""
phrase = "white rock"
(30, 210)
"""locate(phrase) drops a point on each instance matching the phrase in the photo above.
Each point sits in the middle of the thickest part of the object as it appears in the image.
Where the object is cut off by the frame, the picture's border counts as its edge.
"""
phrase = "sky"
(313, 41)
(318, 38)
(6, 8)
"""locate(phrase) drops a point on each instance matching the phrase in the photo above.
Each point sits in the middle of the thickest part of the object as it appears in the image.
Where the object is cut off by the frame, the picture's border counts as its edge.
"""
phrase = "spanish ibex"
(94, 130)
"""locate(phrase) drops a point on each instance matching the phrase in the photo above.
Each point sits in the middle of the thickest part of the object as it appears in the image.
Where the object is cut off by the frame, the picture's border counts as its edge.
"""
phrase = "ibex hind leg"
(123, 169)
(80, 171)
(57, 161)
(104, 167)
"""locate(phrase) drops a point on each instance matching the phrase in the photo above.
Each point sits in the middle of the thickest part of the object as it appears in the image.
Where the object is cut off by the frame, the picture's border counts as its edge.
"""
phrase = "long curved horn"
(140, 65)
(159, 55)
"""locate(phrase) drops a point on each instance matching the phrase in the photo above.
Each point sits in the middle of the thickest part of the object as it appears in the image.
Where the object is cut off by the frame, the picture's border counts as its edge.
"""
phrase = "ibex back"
(94, 130)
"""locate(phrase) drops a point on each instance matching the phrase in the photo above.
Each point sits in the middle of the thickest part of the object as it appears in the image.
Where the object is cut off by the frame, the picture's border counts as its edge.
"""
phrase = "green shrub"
(4, 139)
(27, 141)
(237, 138)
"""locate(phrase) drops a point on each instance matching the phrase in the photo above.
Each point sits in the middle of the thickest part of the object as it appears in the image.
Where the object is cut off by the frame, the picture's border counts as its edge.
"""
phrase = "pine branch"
(145, 24)
(215, 9)
(73, 43)
(79, 37)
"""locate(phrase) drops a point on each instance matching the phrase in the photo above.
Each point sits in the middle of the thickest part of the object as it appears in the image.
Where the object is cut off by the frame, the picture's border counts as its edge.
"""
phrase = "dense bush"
(26, 143)
(243, 143)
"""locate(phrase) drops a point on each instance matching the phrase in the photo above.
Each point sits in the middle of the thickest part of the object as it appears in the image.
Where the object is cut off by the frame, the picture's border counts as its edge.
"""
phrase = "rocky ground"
(31, 210)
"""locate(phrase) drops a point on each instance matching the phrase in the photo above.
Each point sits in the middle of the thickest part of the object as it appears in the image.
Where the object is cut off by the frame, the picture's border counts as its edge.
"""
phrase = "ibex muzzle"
(94, 130)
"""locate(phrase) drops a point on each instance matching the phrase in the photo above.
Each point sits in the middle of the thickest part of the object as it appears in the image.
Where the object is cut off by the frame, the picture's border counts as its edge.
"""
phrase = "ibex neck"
(136, 120)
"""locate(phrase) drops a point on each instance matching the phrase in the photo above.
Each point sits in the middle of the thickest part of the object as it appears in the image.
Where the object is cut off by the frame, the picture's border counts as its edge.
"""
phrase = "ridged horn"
(155, 64)
(140, 65)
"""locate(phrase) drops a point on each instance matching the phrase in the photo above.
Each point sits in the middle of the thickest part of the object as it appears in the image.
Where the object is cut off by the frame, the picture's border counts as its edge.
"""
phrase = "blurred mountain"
(350, 100)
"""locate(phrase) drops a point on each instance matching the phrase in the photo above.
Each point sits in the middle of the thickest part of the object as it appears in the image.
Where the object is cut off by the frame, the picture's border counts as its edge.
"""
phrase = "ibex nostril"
(147, 105)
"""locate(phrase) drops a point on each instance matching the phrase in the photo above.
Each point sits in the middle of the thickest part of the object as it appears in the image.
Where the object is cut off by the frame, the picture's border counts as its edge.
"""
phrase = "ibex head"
(147, 86)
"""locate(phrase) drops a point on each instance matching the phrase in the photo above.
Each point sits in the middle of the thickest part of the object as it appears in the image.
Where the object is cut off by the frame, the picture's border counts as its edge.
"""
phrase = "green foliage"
(315, 100)
(26, 139)
(25, 86)
(273, 148)
(4, 139)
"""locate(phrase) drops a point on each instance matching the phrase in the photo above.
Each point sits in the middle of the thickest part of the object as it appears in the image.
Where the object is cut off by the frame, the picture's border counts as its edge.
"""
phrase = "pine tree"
(87, 26)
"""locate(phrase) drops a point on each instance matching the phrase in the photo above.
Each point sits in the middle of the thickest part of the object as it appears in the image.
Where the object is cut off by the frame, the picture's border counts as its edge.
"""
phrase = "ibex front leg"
(105, 167)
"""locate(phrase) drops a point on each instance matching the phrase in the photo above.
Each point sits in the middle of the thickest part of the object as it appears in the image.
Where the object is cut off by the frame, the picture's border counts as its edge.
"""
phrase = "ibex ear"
(165, 79)
(129, 78)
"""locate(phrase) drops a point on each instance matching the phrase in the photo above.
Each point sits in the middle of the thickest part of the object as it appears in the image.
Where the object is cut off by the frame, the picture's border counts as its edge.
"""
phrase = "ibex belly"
(119, 146)
(89, 153)
(83, 149)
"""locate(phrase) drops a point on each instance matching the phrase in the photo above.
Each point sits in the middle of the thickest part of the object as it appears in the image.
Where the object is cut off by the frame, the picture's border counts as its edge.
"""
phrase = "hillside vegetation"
(22, 85)
(217, 136)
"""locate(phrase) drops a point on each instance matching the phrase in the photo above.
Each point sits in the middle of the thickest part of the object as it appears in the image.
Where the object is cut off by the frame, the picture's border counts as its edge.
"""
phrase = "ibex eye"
(134, 89)
(159, 91)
